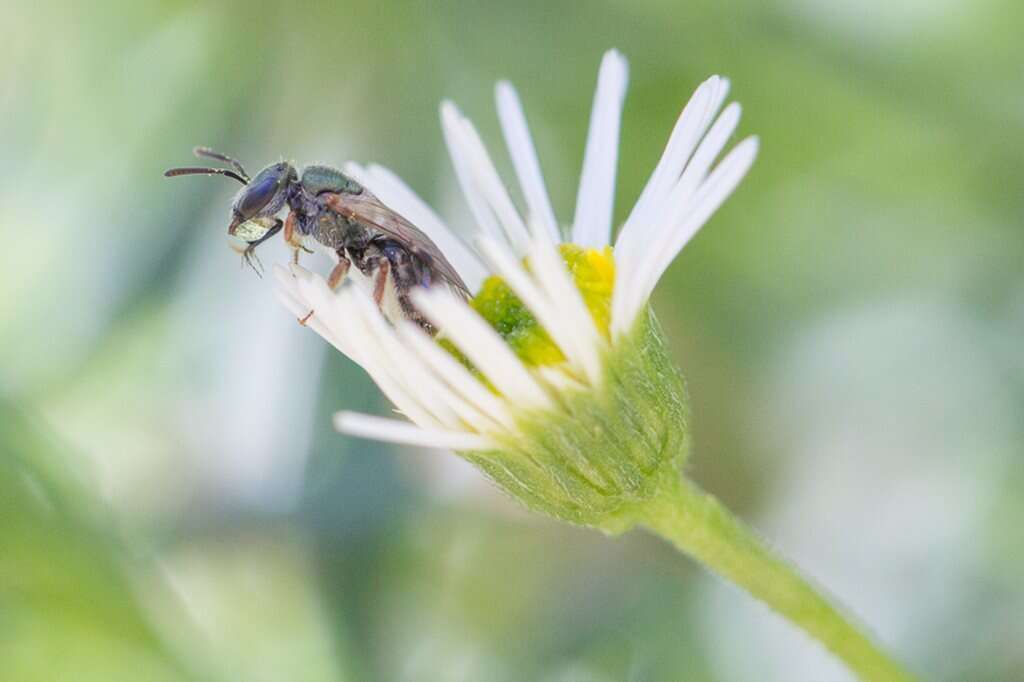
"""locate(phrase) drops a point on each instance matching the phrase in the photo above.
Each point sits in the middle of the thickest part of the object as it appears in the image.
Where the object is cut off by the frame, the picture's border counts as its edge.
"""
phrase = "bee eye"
(257, 194)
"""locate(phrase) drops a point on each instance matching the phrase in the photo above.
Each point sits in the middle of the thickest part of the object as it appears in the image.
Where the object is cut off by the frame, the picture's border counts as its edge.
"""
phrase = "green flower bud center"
(592, 271)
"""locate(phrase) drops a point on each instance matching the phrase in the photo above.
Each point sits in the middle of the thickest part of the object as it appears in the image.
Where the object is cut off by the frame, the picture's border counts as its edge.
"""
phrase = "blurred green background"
(175, 505)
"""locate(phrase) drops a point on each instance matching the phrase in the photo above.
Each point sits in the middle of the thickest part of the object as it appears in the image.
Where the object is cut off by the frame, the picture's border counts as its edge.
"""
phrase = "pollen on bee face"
(252, 230)
(592, 271)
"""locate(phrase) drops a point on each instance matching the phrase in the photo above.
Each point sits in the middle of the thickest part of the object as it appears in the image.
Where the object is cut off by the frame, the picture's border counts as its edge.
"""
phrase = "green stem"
(698, 525)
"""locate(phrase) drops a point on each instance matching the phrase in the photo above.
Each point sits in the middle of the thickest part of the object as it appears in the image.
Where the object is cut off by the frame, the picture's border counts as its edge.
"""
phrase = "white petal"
(482, 345)
(336, 311)
(661, 196)
(394, 431)
(693, 121)
(417, 377)
(400, 197)
(451, 126)
(559, 380)
(299, 309)
(457, 376)
(524, 159)
(493, 188)
(430, 394)
(711, 146)
(555, 280)
(711, 195)
(288, 294)
(485, 193)
(547, 313)
(324, 320)
(715, 190)
(682, 201)
(399, 373)
(595, 200)
(648, 241)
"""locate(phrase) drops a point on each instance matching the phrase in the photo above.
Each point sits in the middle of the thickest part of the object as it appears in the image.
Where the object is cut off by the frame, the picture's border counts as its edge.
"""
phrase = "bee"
(345, 219)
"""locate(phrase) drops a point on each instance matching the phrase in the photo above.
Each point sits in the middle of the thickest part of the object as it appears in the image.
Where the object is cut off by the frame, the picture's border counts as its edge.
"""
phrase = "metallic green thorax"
(601, 454)
(317, 179)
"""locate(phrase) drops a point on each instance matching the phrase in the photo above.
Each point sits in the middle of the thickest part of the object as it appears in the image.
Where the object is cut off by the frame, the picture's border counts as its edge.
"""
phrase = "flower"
(554, 379)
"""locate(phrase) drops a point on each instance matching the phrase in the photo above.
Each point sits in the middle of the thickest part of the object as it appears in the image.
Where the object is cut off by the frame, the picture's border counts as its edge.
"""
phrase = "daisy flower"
(556, 312)
(554, 379)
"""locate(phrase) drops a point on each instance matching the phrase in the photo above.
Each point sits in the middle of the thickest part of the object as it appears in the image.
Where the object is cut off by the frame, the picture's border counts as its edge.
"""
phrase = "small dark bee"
(343, 217)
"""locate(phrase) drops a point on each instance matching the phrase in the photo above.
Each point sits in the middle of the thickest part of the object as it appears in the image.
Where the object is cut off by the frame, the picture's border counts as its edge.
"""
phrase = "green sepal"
(596, 458)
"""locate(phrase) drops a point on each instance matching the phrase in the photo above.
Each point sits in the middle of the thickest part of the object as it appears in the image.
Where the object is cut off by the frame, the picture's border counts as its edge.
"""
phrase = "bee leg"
(338, 273)
(250, 258)
(249, 255)
(380, 281)
(289, 236)
(333, 281)
(293, 238)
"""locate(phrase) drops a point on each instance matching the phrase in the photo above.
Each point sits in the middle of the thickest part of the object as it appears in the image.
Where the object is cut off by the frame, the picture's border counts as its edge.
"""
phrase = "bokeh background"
(175, 505)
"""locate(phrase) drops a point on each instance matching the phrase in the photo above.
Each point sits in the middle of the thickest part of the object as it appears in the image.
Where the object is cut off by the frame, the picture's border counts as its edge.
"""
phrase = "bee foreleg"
(249, 255)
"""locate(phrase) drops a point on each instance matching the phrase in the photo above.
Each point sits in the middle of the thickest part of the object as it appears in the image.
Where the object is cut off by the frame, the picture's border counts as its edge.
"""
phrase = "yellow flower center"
(593, 272)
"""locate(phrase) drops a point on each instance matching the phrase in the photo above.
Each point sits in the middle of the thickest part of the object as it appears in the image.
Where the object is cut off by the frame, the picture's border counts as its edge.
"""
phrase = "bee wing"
(368, 209)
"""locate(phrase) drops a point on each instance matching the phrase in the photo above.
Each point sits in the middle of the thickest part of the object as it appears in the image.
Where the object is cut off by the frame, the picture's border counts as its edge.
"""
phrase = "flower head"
(554, 379)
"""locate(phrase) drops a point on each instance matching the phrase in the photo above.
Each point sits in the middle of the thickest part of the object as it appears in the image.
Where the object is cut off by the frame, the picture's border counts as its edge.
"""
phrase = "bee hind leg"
(380, 281)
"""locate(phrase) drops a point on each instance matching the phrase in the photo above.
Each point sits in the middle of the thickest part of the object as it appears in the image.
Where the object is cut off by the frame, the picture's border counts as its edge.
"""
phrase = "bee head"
(263, 196)
(259, 199)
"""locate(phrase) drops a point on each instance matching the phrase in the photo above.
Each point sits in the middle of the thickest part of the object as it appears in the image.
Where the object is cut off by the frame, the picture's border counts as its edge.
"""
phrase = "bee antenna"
(206, 171)
(211, 154)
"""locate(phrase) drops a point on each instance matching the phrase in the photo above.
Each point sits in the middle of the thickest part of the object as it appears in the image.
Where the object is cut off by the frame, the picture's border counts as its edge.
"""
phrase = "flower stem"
(698, 525)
